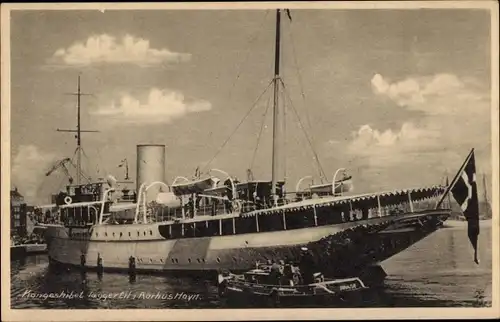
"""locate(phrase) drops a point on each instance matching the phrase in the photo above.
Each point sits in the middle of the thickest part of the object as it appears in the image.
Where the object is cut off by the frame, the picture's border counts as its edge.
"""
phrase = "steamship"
(212, 221)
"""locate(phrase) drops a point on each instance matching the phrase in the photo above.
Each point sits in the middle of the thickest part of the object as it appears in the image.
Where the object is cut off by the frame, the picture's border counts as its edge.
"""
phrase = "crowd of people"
(297, 273)
(30, 239)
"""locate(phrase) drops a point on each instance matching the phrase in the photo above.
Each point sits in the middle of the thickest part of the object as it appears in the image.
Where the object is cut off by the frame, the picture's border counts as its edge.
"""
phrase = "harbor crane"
(61, 164)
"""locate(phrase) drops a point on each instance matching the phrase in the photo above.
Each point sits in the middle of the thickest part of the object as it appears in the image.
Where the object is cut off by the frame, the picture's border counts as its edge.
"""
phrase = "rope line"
(321, 172)
(83, 173)
(260, 132)
(237, 127)
(299, 76)
(284, 136)
(101, 160)
(240, 70)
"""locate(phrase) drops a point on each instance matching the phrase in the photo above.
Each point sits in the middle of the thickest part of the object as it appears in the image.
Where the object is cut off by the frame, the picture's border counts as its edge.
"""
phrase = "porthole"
(121, 234)
(218, 260)
(173, 260)
(97, 234)
(150, 260)
(113, 234)
(189, 260)
(234, 259)
(137, 233)
(144, 233)
(151, 232)
(161, 260)
(203, 260)
(129, 234)
(106, 234)
(198, 260)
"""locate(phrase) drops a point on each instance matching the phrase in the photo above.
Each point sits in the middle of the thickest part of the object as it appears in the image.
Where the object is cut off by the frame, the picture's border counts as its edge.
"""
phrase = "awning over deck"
(371, 200)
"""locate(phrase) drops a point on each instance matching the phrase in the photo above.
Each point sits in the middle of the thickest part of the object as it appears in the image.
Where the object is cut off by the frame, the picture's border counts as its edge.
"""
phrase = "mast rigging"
(78, 132)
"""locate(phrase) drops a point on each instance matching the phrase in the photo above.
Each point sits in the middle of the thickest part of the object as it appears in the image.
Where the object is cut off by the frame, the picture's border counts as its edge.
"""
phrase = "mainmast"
(276, 129)
(78, 131)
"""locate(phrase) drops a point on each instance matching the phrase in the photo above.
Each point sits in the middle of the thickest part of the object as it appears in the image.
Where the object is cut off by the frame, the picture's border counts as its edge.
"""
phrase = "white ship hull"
(152, 252)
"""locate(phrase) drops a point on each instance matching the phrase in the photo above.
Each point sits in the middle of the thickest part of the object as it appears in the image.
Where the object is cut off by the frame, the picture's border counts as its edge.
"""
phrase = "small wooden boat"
(195, 186)
(340, 187)
(258, 286)
(22, 250)
(31, 245)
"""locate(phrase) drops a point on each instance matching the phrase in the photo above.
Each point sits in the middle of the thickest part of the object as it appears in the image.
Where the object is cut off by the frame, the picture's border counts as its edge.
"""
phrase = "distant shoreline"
(463, 223)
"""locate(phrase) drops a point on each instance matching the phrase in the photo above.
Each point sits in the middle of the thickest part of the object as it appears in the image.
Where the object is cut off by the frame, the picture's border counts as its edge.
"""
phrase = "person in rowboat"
(307, 266)
(275, 274)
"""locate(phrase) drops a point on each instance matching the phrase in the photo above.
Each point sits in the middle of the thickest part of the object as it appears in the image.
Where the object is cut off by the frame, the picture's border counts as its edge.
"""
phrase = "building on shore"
(18, 214)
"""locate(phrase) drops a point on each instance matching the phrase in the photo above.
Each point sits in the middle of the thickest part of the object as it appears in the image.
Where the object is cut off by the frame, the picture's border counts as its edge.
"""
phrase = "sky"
(397, 97)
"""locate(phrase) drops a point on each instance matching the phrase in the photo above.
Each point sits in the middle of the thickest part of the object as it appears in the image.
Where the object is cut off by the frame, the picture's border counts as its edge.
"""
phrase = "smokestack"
(150, 167)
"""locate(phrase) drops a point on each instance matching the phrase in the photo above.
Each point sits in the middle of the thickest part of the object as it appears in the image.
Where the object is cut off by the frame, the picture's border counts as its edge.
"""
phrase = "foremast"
(78, 132)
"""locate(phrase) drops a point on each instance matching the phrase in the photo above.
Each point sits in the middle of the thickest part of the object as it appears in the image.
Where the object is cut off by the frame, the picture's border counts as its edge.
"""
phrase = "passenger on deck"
(192, 207)
(189, 208)
(229, 206)
(198, 202)
(215, 202)
(228, 184)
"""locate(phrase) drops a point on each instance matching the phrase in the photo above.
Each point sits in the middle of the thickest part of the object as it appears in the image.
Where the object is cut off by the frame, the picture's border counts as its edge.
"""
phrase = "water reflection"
(437, 271)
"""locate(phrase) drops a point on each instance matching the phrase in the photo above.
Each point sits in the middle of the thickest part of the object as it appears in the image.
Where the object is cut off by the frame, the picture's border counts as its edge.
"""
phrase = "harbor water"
(438, 271)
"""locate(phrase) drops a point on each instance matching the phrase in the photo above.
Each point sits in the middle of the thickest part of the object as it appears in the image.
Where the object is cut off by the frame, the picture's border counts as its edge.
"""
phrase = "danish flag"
(464, 190)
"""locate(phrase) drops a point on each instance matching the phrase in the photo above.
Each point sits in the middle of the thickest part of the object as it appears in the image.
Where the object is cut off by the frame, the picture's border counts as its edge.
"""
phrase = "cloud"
(456, 108)
(160, 106)
(441, 94)
(28, 167)
(404, 92)
(408, 137)
(454, 116)
(107, 49)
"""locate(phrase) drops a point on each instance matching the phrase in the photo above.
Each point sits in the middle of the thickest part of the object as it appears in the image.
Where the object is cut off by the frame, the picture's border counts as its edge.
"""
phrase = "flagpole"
(454, 179)
(449, 198)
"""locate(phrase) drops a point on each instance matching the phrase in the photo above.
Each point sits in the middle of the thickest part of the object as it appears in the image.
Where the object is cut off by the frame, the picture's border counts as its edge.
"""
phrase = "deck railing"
(205, 207)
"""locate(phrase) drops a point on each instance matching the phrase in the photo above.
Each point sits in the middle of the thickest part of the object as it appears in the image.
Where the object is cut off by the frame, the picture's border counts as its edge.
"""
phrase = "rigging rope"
(321, 172)
(284, 135)
(100, 159)
(260, 132)
(299, 76)
(237, 127)
(256, 36)
(85, 175)
(284, 118)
